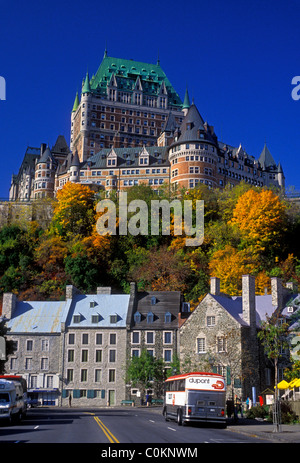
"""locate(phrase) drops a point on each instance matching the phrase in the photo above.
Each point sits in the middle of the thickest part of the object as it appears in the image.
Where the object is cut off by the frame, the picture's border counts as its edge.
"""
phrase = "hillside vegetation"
(246, 231)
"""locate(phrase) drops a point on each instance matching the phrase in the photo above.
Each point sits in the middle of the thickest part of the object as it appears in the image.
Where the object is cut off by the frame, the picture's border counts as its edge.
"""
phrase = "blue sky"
(237, 58)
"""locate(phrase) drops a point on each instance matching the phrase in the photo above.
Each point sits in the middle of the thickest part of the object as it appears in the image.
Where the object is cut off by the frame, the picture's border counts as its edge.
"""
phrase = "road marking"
(36, 427)
(112, 439)
(151, 421)
(172, 429)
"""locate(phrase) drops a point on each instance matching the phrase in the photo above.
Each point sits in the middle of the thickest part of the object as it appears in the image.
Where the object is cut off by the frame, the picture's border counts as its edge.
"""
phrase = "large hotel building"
(128, 127)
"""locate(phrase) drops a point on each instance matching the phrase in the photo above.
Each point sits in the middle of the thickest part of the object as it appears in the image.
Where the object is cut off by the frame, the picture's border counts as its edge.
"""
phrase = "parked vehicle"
(23, 383)
(11, 401)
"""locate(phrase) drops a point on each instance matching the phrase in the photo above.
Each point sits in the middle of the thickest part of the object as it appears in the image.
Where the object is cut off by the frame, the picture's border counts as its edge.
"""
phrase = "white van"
(11, 400)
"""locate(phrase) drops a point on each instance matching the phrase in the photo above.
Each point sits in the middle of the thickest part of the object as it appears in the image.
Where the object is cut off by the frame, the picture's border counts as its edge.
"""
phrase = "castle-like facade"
(130, 127)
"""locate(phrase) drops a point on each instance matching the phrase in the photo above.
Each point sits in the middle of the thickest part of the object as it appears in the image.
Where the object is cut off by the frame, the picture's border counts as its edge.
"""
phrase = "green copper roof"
(86, 87)
(186, 103)
(125, 73)
(76, 103)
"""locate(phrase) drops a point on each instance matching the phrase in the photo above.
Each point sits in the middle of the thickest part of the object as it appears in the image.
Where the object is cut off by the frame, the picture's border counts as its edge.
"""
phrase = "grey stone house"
(153, 322)
(221, 335)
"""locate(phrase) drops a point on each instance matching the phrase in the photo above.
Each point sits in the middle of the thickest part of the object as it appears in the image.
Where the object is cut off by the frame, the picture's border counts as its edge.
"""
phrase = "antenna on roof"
(158, 60)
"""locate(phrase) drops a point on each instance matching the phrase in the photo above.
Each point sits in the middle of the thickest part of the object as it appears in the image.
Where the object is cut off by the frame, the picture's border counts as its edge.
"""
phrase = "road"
(124, 425)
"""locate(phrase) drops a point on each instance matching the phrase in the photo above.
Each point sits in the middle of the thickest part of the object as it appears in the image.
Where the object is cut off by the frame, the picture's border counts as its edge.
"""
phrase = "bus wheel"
(179, 418)
(165, 415)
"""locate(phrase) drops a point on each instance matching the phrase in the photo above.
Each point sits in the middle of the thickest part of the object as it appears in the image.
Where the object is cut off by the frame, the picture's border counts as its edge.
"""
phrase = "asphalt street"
(124, 425)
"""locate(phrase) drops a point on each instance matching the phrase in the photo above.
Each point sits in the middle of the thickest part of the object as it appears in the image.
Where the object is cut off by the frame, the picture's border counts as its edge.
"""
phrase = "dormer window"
(113, 318)
(137, 317)
(168, 317)
(150, 317)
(95, 318)
(153, 300)
(76, 318)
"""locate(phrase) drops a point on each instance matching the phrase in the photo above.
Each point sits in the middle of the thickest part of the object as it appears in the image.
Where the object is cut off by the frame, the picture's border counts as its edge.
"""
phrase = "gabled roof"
(233, 305)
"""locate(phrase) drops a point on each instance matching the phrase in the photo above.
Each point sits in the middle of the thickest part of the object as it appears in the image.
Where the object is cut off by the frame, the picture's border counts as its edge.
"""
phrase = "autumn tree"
(74, 212)
(261, 218)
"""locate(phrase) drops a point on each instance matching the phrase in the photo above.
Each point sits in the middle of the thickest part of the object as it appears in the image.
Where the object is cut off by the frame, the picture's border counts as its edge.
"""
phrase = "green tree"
(142, 371)
(274, 337)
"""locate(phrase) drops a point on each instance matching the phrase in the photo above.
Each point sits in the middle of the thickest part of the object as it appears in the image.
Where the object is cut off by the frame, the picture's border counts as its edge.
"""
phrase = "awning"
(294, 383)
(282, 385)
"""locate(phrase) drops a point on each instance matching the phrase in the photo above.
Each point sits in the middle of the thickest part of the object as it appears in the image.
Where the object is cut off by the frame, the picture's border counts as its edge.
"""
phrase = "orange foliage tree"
(261, 218)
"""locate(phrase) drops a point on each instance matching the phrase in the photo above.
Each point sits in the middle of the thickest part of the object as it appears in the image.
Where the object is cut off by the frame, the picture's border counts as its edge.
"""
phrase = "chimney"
(9, 304)
(277, 292)
(71, 291)
(293, 287)
(248, 300)
(133, 289)
(104, 290)
(215, 286)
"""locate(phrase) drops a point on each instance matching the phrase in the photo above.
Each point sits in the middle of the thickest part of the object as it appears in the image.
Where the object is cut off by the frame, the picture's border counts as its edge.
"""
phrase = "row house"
(78, 349)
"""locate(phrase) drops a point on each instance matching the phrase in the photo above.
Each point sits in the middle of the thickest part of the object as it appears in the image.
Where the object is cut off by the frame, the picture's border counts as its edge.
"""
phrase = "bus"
(195, 397)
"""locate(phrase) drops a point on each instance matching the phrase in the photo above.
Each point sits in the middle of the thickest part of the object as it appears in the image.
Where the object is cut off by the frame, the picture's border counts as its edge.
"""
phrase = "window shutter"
(228, 376)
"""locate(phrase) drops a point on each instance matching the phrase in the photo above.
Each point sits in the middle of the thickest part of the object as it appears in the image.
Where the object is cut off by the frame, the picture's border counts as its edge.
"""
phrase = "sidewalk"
(290, 433)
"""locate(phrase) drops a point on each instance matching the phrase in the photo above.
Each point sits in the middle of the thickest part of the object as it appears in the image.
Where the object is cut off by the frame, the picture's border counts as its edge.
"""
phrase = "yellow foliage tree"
(229, 264)
(74, 212)
(261, 218)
